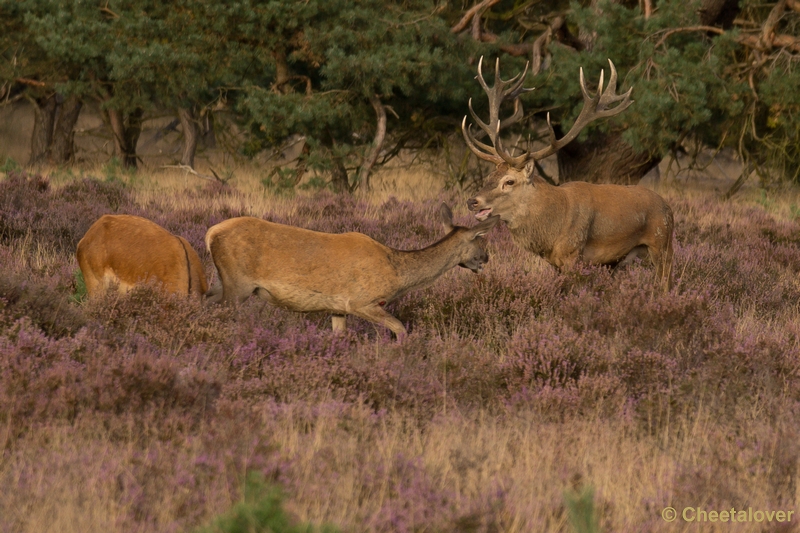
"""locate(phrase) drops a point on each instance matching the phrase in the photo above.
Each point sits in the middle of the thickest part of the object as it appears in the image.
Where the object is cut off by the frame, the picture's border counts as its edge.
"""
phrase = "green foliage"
(581, 510)
(680, 84)
(113, 171)
(345, 54)
(311, 68)
(80, 293)
(261, 511)
(280, 181)
(9, 165)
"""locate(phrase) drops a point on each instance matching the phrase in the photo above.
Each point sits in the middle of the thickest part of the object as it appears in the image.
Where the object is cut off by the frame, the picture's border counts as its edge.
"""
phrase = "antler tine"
(479, 77)
(515, 117)
(516, 82)
(485, 147)
(594, 106)
(484, 151)
(514, 162)
(484, 126)
(610, 96)
(600, 83)
(497, 94)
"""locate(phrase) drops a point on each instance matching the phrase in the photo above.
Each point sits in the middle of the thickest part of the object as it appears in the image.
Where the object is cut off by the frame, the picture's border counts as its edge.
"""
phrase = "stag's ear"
(485, 227)
(530, 170)
(447, 217)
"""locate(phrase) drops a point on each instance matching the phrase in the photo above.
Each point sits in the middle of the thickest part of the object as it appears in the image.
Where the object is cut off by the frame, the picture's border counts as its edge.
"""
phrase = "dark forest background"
(363, 81)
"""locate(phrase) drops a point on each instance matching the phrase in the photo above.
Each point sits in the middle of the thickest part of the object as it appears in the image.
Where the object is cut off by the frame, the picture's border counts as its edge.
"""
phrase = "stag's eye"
(509, 183)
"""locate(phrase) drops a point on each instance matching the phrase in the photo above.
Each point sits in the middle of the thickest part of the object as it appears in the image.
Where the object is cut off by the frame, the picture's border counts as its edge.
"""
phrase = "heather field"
(522, 400)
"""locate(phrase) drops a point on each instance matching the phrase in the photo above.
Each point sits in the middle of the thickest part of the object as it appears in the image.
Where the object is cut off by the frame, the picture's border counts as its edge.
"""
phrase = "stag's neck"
(419, 268)
(540, 218)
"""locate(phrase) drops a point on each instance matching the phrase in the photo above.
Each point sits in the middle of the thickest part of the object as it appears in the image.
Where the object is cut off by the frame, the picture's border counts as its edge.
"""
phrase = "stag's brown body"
(601, 224)
(347, 273)
(124, 250)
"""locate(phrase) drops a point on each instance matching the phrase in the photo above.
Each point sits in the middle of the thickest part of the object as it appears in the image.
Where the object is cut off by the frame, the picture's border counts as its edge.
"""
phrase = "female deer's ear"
(447, 217)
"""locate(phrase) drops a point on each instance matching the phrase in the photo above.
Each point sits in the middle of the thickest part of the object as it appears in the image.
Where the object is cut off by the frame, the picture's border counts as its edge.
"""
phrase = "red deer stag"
(346, 273)
(124, 250)
(601, 224)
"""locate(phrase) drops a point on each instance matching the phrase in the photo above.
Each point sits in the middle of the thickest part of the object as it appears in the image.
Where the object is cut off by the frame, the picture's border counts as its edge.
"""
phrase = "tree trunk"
(605, 158)
(209, 133)
(190, 135)
(339, 176)
(132, 133)
(126, 136)
(377, 143)
(62, 149)
(44, 116)
(718, 12)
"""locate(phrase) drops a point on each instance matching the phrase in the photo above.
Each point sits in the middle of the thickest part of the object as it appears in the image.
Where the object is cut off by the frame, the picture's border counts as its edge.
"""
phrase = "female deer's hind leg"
(339, 322)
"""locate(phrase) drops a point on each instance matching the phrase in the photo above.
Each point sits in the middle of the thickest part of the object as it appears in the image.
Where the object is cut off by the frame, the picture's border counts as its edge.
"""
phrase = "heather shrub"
(177, 400)
(491, 305)
(56, 219)
(44, 305)
(45, 379)
(546, 353)
(169, 321)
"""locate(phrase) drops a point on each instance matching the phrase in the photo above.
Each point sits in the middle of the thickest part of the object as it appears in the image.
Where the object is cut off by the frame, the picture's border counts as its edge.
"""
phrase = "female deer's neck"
(419, 268)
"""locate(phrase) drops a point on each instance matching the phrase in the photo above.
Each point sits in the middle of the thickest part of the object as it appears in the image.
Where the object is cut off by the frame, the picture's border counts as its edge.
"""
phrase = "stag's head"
(514, 175)
(470, 244)
(501, 191)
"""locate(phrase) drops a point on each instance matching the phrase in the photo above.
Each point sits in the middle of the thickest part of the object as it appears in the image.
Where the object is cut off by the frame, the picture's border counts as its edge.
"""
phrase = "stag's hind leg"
(661, 251)
(663, 265)
(661, 258)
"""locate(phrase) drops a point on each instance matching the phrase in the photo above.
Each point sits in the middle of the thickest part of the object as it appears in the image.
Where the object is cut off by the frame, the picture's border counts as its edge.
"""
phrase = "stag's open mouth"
(483, 214)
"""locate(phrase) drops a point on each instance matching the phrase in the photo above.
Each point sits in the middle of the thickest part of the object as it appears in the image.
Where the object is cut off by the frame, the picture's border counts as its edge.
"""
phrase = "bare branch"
(462, 24)
(105, 9)
(648, 9)
(718, 31)
(28, 81)
(765, 41)
(9, 101)
(768, 29)
(190, 170)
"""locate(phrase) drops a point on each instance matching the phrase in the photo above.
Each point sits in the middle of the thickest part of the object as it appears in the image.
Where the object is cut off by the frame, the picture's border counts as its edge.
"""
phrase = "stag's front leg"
(564, 256)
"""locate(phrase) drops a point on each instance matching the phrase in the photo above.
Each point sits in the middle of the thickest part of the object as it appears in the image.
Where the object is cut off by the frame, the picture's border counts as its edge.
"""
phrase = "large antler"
(502, 90)
(594, 107)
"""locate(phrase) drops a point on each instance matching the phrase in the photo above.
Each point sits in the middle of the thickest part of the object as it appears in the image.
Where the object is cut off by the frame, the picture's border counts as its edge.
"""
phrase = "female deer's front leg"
(377, 314)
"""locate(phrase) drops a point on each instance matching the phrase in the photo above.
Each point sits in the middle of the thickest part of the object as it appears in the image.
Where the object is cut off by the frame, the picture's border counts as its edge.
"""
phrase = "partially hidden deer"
(602, 224)
(121, 251)
(343, 274)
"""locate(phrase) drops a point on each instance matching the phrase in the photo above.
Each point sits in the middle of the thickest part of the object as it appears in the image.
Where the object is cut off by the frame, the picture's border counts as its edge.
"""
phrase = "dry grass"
(73, 476)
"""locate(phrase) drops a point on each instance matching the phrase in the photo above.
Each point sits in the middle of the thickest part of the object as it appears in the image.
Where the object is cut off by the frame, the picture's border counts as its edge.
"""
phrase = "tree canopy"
(361, 80)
